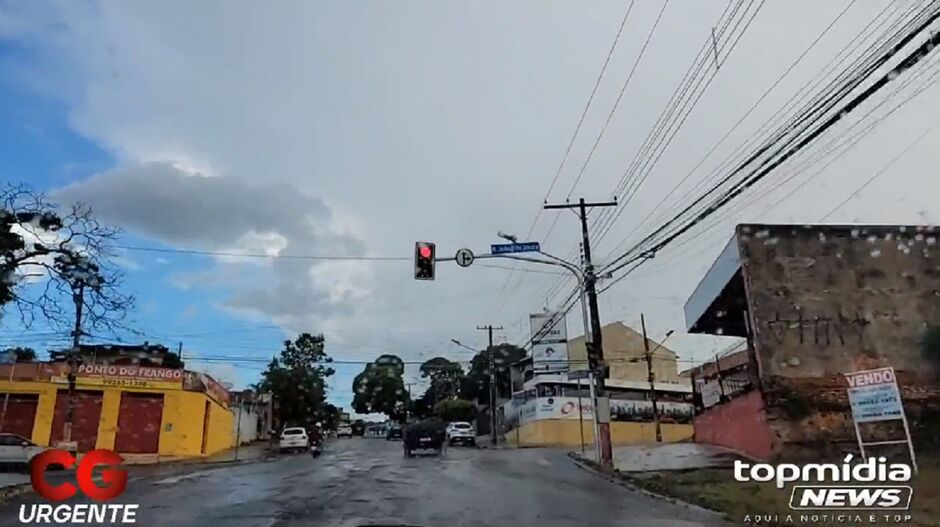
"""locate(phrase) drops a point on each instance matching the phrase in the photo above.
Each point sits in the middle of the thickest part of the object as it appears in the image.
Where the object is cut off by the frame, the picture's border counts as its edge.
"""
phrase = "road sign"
(464, 257)
(506, 248)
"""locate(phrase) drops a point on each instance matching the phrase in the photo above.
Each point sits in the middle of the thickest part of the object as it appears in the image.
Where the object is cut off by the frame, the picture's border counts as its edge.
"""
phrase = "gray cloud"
(164, 202)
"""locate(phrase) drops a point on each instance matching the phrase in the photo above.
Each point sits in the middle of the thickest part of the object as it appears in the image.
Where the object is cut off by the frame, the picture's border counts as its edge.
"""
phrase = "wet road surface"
(359, 482)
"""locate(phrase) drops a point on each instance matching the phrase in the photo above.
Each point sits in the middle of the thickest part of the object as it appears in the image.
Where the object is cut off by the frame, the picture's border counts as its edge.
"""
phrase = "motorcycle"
(315, 449)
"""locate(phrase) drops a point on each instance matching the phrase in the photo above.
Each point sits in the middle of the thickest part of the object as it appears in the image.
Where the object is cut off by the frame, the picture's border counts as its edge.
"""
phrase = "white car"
(17, 451)
(344, 431)
(293, 439)
(461, 432)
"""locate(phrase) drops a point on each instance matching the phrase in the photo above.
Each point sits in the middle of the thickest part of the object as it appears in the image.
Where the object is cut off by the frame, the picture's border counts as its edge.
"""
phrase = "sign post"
(874, 396)
(549, 342)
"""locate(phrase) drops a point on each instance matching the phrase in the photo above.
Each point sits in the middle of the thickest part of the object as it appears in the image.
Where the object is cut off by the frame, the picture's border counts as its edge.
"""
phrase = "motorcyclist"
(314, 439)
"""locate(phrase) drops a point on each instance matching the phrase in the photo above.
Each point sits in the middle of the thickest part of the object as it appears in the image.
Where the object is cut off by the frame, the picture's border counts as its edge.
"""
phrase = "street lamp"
(650, 375)
(509, 237)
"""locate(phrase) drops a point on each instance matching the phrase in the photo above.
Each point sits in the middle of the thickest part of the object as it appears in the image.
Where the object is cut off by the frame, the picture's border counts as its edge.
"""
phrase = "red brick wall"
(740, 424)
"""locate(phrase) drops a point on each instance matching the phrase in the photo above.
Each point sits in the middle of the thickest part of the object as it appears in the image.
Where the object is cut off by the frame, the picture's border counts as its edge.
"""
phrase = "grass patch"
(716, 489)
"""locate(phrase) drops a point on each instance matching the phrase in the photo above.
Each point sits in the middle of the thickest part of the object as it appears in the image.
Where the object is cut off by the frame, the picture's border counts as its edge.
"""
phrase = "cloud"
(163, 201)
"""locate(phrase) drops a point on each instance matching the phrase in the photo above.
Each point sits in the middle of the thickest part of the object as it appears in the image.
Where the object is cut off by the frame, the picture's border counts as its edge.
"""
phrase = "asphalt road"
(368, 482)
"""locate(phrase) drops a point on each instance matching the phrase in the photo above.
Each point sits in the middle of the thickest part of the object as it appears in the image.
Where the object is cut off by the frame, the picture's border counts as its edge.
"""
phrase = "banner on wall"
(620, 410)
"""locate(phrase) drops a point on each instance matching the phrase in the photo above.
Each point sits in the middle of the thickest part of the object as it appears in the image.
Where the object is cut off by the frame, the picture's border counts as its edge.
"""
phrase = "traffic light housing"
(424, 261)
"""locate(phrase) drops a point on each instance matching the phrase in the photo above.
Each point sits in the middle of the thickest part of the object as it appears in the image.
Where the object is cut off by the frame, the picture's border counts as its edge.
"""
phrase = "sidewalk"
(667, 456)
(256, 451)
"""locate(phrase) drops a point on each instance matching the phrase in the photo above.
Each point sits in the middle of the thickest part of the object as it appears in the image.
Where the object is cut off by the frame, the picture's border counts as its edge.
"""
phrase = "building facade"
(130, 409)
(544, 409)
(816, 302)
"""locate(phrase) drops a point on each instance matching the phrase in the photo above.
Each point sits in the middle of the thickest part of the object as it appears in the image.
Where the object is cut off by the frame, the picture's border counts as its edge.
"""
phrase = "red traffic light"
(424, 251)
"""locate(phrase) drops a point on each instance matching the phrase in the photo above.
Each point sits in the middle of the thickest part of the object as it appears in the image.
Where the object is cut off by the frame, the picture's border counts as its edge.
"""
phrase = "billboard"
(549, 342)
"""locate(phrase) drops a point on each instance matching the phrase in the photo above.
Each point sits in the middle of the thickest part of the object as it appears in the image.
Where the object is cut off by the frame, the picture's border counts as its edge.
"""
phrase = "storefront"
(129, 409)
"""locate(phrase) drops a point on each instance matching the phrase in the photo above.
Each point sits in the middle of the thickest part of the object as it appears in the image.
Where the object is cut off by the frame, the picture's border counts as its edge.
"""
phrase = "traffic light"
(424, 261)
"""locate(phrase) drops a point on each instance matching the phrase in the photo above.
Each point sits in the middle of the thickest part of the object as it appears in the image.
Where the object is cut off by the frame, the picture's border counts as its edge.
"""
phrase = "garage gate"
(139, 422)
(18, 413)
(85, 418)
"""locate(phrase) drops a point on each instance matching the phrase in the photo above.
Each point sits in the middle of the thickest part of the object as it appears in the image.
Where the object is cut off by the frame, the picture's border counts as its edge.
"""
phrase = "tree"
(380, 388)
(172, 360)
(52, 262)
(298, 381)
(22, 354)
(445, 378)
(456, 410)
(476, 384)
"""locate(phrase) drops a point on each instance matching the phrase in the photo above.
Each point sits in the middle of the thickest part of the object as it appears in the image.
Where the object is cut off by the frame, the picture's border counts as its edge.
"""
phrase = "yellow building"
(126, 408)
(625, 354)
(544, 407)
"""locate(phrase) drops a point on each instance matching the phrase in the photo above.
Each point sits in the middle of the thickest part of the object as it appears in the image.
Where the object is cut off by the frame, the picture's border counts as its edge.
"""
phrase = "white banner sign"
(710, 391)
(549, 343)
(620, 410)
(874, 395)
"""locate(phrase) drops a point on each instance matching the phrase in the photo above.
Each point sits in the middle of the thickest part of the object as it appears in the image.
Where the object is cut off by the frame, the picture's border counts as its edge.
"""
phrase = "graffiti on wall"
(820, 330)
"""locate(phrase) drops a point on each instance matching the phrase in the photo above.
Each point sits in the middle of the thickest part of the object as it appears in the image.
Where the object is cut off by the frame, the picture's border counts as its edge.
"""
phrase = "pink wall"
(739, 424)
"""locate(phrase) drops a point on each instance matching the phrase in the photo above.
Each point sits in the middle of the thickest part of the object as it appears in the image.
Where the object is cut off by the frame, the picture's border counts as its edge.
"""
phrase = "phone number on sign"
(126, 383)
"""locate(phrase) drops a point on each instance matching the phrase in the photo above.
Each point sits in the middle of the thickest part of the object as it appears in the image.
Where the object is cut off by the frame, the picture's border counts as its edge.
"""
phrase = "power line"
(735, 126)
(260, 255)
(882, 171)
(800, 139)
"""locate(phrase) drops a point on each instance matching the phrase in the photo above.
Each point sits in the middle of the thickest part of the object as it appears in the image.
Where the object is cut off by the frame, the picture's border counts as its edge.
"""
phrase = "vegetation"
(380, 388)
(476, 384)
(22, 354)
(68, 252)
(456, 410)
(298, 381)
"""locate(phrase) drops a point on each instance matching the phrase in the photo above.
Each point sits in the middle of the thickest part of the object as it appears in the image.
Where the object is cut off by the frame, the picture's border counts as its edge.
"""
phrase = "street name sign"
(464, 257)
(506, 248)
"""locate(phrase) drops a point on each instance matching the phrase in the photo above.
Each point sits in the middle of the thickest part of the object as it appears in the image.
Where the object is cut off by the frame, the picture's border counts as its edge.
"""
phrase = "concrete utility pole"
(493, 388)
(594, 347)
(78, 297)
(651, 376)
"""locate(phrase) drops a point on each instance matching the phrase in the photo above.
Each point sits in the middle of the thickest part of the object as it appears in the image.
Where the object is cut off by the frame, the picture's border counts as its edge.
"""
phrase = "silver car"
(17, 451)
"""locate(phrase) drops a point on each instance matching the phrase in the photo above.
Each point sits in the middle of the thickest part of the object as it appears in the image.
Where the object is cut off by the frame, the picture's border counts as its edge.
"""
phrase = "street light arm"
(559, 263)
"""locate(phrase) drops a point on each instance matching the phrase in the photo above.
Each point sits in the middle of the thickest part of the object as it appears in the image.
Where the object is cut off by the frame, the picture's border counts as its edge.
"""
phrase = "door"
(85, 419)
(19, 414)
(139, 421)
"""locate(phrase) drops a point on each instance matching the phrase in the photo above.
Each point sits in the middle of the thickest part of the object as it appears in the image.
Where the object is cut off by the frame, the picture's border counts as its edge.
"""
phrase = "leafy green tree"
(380, 388)
(22, 354)
(456, 410)
(298, 381)
(172, 360)
(445, 378)
(476, 384)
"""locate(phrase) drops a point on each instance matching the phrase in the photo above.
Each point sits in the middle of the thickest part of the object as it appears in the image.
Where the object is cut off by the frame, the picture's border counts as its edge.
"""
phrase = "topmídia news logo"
(114, 482)
(872, 485)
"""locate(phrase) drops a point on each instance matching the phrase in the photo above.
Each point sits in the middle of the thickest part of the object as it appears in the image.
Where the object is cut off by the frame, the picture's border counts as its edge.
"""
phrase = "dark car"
(393, 432)
(429, 434)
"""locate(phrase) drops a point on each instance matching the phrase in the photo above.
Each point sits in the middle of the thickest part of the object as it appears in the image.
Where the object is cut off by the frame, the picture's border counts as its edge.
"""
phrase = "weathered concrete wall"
(826, 300)
(739, 424)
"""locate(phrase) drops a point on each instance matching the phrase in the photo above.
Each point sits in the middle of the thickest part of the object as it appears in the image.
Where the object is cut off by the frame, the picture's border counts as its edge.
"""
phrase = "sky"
(356, 129)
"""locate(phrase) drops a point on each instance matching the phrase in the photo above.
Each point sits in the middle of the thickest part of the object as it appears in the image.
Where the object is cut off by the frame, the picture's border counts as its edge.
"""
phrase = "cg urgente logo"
(113, 484)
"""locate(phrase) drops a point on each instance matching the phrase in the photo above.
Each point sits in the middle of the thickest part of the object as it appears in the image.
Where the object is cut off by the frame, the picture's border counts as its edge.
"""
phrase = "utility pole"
(78, 297)
(594, 347)
(493, 388)
(651, 376)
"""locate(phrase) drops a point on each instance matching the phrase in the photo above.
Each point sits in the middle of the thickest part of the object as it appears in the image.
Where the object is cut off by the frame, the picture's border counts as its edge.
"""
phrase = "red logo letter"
(116, 480)
(38, 475)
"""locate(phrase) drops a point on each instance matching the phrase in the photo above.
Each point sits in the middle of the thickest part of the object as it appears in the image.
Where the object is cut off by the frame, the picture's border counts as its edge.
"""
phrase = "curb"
(616, 478)
(12, 491)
